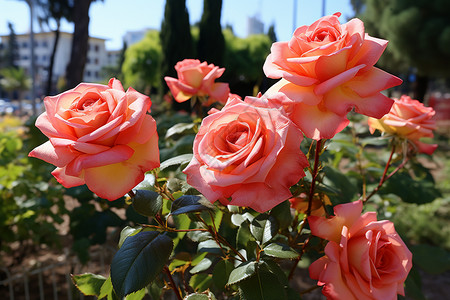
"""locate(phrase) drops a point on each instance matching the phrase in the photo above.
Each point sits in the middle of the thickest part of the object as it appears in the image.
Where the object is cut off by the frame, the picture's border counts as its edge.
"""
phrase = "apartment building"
(97, 57)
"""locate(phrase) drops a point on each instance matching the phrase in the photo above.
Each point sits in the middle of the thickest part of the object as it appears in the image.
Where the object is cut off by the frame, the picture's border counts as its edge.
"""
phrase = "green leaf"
(205, 296)
(413, 286)
(409, 189)
(146, 184)
(126, 232)
(431, 259)
(140, 259)
(177, 160)
(136, 295)
(188, 204)
(201, 266)
(238, 219)
(147, 203)
(243, 271)
(209, 246)
(345, 190)
(199, 236)
(263, 285)
(280, 251)
(282, 213)
(273, 267)
(107, 290)
(221, 273)
(179, 128)
(264, 228)
(200, 282)
(89, 284)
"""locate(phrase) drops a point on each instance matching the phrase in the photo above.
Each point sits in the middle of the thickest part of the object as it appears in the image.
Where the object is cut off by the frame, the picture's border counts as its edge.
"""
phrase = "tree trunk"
(420, 87)
(80, 39)
(48, 90)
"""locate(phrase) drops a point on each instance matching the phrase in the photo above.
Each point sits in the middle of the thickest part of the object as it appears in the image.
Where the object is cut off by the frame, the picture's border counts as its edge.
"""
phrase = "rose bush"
(364, 258)
(248, 153)
(100, 136)
(410, 119)
(197, 79)
(327, 68)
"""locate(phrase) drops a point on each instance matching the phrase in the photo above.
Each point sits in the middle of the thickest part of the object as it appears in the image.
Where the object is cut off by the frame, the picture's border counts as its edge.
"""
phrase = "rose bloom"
(197, 79)
(327, 69)
(364, 258)
(100, 136)
(409, 119)
(300, 204)
(249, 154)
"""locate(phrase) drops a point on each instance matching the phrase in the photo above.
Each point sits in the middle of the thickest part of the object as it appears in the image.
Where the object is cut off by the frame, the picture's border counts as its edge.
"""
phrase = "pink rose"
(248, 153)
(409, 119)
(197, 79)
(364, 258)
(100, 136)
(327, 68)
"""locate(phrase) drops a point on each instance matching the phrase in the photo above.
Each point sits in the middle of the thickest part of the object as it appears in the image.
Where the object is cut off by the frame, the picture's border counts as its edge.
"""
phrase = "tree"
(418, 32)
(141, 67)
(176, 42)
(211, 44)
(271, 33)
(244, 59)
(80, 39)
(11, 53)
(53, 10)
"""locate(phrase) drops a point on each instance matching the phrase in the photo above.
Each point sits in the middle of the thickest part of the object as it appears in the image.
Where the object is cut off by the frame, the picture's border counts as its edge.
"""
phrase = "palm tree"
(15, 80)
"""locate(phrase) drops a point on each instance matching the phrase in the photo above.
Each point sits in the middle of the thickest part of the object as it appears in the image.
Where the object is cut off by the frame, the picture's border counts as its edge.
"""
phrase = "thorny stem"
(172, 283)
(310, 199)
(219, 239)
(314, 176)
(385, 177)
(309, 289)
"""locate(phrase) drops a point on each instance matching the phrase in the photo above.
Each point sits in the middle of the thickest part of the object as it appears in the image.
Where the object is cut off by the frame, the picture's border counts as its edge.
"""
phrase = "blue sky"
(110, 19)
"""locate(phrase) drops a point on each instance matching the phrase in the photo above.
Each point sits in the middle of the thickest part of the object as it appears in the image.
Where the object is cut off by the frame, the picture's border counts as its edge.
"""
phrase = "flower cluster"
(248, 153)
(327, 68)
(364, 258)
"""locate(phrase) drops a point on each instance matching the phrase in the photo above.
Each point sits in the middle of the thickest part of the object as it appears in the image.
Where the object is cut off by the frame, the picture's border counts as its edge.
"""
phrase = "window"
(96, 61)
(24, 44)
(96, 48)
(45, 44)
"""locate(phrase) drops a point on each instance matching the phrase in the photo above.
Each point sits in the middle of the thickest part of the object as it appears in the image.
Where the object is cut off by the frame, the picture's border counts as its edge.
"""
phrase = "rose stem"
(383, 177)
(172, 283)
(308, 211)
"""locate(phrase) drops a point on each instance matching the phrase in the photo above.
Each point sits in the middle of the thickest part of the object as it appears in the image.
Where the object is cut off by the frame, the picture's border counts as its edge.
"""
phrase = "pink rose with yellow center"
(410, 119)
(246, 156)
(100, 136)
(364, 258)
(197, 79)
(327, 69)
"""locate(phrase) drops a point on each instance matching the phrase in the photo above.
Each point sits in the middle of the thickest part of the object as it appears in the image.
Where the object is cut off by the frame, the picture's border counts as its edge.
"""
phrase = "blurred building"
(132, 37)
(43, 45)
(254, 25)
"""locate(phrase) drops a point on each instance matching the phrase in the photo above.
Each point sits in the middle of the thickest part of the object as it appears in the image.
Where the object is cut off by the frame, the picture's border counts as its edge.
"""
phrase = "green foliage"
(418, 31)
(142, 63)
(176, 40)
(140, 259)
(211, 43)
(244, 58)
